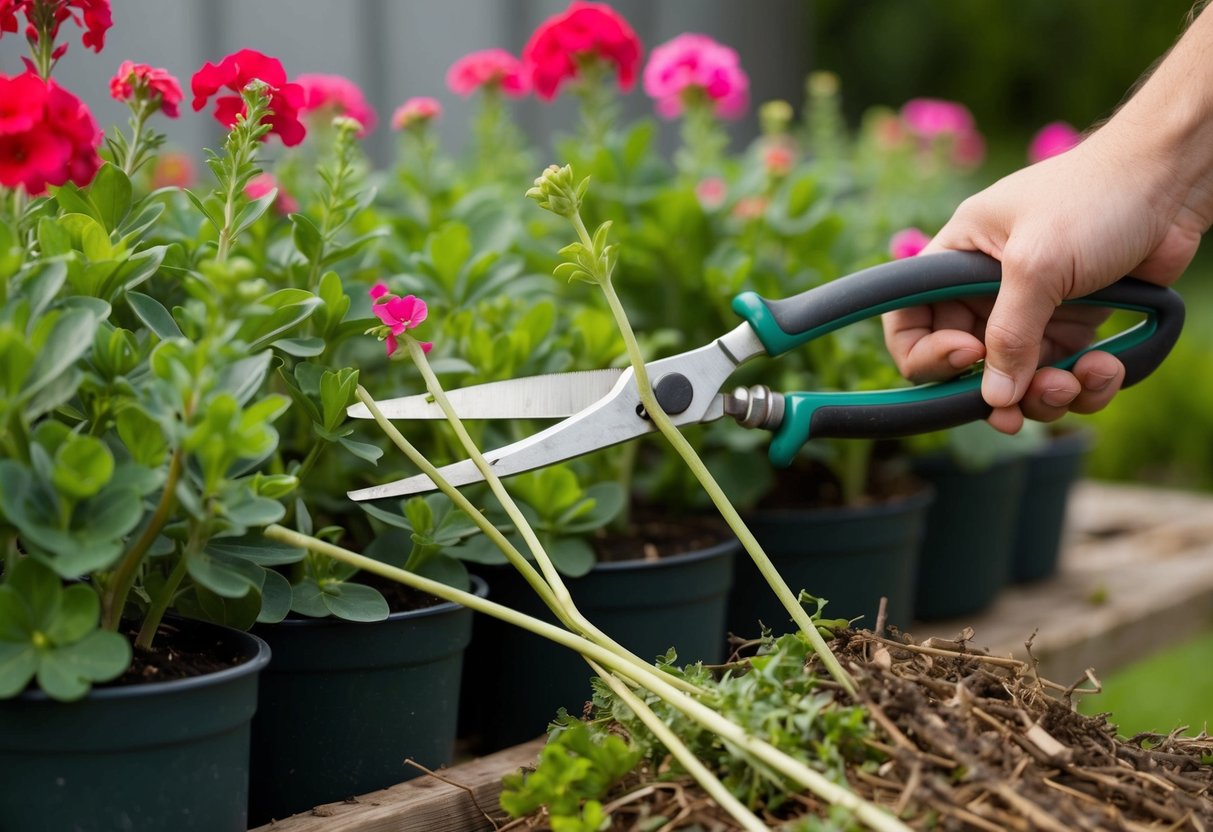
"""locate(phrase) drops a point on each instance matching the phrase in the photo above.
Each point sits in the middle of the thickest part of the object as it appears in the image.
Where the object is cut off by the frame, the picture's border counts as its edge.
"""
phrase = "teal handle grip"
(785, 324)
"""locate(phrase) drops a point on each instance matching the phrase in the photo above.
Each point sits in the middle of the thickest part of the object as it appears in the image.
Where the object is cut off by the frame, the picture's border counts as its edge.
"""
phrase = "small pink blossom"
(492, 68)
(262, 184)
(930, 119)
(692, 66)
(398, 314)
(334, 95)
(778, 159)
(750, 208)
(907, 243)
(173, 169)
(416, 111)
(711, 192)
(1051, 140)
(140, 82)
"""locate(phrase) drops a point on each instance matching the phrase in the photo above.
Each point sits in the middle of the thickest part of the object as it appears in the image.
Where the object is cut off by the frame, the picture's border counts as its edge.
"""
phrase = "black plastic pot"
(1051, 472)
(966, 553)
(851, 556)
(517, 681)
(343, 704)
(157, 757)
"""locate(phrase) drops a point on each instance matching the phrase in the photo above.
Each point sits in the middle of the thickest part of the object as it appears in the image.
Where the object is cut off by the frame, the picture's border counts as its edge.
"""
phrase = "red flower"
(493, 68)
(144, 83)
(235, 72)
(47, 135)
(696, 65)
(337, 96)
(94, 16)
(172, 169)
(584, 31)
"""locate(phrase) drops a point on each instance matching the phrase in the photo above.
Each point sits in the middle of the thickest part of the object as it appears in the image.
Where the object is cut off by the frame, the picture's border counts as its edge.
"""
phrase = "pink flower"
(144, 83)
(47, 135)
(1052, 139)
(334, 95)
(262, 184)
(750, 208)
(492, 68)
(175, 170)
(930, 119)
(691, 66)
(584, 32)
(778, 159)
(711, 192)
(234, 73)
(94, 16)
(416, 111)
(399, 314)
(907, 243)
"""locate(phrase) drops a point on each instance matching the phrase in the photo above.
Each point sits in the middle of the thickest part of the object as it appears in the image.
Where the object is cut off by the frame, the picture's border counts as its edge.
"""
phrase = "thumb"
(1014, 333)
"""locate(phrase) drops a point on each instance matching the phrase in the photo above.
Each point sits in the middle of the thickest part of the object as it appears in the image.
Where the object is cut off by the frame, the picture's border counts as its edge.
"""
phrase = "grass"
(1161, 693)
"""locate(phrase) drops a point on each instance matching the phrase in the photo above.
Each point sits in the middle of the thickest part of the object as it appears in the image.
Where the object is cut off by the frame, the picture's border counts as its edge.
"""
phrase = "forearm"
(1166, 127)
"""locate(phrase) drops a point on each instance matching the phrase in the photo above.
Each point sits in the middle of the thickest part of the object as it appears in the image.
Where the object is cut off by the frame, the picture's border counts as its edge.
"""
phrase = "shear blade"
(614, 418)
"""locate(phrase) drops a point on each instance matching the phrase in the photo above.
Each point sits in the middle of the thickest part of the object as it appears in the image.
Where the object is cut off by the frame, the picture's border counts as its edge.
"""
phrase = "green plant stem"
(160, 604)
(113, 602)
(713, 489)
(133, 150)
(647, 676)
(703, 776)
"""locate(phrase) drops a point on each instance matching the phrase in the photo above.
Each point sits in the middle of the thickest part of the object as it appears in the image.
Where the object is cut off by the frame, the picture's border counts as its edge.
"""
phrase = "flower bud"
(775, 116)
(555, 191)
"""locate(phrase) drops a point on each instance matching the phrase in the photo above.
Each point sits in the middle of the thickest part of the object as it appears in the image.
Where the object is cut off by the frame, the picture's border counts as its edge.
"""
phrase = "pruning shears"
(599, 408)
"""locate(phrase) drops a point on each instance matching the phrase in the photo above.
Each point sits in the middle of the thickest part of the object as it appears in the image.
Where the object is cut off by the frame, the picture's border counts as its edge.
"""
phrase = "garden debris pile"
(969, 741)
(982, 742)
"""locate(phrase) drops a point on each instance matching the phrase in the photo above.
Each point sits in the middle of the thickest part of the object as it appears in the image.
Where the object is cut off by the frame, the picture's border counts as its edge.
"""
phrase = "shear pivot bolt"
(674, 393)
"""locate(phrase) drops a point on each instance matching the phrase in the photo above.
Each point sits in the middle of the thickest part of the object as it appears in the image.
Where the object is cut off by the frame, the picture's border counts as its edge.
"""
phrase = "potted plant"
(133, 465)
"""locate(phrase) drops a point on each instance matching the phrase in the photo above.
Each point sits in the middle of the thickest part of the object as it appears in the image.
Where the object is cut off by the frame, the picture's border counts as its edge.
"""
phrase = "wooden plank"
(424, 804)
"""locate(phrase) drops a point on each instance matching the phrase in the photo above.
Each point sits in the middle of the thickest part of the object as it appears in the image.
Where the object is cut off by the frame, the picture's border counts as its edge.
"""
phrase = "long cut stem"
(647, 676)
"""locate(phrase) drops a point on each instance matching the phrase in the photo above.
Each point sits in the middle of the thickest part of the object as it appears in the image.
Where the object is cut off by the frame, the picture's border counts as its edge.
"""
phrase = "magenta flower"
(907, 243)
(696, 66)
(335, 95)
(711, 192)
(1052, 139)
(930, 119)
(262, 184)
(399, 314)
(416, 111)
(492, 68)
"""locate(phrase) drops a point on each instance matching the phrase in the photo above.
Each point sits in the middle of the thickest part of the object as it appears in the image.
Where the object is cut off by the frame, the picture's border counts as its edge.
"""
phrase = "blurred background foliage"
(1018, 66)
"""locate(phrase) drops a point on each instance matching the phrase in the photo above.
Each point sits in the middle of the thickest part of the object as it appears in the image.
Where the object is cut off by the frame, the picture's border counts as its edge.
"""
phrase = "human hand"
(1063, 228)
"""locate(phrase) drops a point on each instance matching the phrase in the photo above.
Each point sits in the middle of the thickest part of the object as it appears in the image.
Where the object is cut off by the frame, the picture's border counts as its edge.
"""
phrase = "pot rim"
(479, 587)
(902, 503)
(730, 544)
(254, 664)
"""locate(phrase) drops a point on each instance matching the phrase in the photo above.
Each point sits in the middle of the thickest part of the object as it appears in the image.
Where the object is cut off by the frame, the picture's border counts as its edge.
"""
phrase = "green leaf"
(142, 436)
(90, 235)
(363, 450)
(79, 612)
(480, 550)
(309, 347)
(449, 249)
(255, 548)
(275, 598)
(70, 338)
(572, 556)
(68, 672)
(306, 599)
(39, 590)
(355, 602)
(83, 465)
(276, 314)
(53, 239)
(206, 212)
(245, 377)
(40, 289)
(226, 577)
(253, 211)
(18, 664)
(608, 500)
(72, 201)
(446, 570)
(307, 237)
(110, 194)
(254, 512)
(154, 316)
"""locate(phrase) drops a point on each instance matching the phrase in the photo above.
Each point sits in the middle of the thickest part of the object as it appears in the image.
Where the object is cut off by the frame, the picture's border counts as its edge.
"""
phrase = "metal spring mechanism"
(755, 407)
